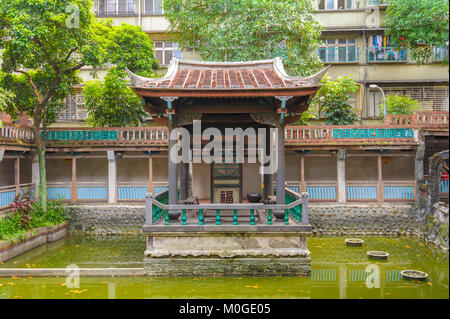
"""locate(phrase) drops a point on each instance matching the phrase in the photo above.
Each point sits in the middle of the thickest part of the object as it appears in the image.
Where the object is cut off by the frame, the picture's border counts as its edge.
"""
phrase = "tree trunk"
(42, 171)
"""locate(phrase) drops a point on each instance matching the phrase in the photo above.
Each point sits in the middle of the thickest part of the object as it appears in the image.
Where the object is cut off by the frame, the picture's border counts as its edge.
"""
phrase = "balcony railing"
(377, 3)
(397, 129)
(116, 13)
(204, 215)
(339, 55)
(422, 119)
(387, 54)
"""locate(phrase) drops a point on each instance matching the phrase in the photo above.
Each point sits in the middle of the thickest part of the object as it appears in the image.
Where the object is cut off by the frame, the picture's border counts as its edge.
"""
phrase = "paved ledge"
(84, 272)
(300, 229)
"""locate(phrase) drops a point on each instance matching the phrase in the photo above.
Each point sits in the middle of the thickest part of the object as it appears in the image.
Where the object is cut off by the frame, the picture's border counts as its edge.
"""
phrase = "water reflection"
(337, 271)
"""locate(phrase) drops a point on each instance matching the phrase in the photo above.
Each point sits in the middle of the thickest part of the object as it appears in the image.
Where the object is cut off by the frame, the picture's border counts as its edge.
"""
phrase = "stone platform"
(187, 250)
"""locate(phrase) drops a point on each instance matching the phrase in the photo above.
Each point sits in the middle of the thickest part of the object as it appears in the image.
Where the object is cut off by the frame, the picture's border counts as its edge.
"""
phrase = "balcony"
(397, 130)
(339, 54)
(387, 55)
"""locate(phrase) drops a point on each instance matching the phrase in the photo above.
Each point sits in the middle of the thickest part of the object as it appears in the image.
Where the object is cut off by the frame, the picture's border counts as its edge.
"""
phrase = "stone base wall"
(359, 219)
(363, 219)
(107, 219)
(33, 239)
(227, 253)
(433, 227)
(227, 267)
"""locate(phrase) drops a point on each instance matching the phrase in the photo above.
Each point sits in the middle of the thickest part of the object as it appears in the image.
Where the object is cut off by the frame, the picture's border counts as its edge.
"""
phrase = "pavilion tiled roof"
(199, 75)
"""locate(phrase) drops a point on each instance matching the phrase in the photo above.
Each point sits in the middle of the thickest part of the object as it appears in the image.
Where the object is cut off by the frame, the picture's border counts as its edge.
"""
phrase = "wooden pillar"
(281, 173)
(74, 189)
(268, 178)
(419, 175)
(35, 176)
(151, 186)
(173, 173)
(380, 195)
(112, 178)
(17, 175)
(302, 174)
(341, 184)
(184, 179)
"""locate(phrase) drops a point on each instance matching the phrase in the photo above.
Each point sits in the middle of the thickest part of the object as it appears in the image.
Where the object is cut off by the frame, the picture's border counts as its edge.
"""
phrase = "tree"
(420, 25)
(5, 99)
(112, 102)
(399, 105)
(333, 100)
(241, 30)
(44, 43)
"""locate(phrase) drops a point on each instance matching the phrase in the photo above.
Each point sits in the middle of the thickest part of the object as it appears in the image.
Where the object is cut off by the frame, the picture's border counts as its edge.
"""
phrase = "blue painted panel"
(399, 192)
(444, 186)
(321, 192)
(160, 189)
(131, 192)
(294, 188)
(93, 193)
(361, 192)
(6, 198)
(55, 193)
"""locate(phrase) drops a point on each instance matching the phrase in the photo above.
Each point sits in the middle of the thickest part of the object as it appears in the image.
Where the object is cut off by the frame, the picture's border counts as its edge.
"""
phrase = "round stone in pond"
(376, 254)
(414, 274)
(354, 242)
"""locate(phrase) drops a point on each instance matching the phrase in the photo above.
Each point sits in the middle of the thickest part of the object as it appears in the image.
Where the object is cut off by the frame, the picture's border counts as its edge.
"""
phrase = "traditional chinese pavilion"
(256, 94)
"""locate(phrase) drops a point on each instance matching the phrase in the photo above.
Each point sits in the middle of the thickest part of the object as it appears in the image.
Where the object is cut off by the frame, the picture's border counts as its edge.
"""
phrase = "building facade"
(374, 163)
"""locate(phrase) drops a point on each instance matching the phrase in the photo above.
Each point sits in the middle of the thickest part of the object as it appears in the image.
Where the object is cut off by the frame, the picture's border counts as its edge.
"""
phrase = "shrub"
(333, 99)
(13, 227)
(399, 105)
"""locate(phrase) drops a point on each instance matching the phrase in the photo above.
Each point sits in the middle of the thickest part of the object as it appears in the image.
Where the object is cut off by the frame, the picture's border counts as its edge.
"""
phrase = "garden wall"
(33, 239)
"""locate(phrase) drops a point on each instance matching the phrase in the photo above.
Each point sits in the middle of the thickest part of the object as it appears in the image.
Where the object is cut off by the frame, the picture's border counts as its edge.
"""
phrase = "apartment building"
(353, 43)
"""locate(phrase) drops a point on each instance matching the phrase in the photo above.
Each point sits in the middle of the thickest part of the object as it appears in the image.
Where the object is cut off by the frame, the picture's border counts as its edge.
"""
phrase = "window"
(336, 4)
(116, 7)
(341, 50)
(153, 7)
(165, 51)
(431, 98)
(75, 108)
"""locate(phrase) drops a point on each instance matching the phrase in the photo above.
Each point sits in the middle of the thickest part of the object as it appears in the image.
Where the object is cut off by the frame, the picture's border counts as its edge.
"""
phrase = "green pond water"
(337, 271)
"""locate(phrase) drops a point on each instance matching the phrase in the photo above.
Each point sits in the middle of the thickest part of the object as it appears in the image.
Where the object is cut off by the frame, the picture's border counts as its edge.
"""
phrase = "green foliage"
(5, 100)
(130, 47)
(306, 118)
(42, 51)
(112, 102)
(55, 214)
(419, 25)
(333, 100)
(242, 30)
(399, 105)
(13, 227)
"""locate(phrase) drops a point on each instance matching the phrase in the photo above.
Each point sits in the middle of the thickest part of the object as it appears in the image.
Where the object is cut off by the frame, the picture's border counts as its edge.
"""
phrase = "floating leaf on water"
(255, 286)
